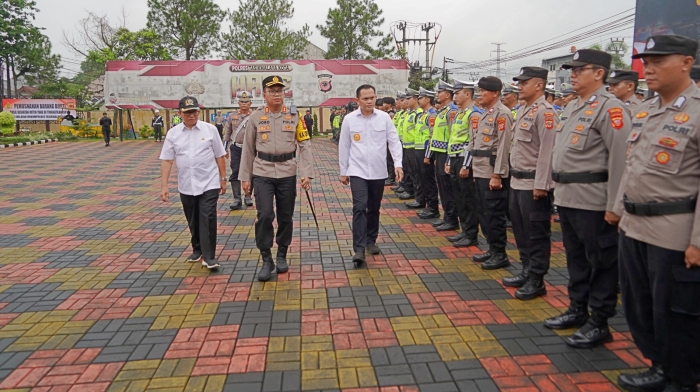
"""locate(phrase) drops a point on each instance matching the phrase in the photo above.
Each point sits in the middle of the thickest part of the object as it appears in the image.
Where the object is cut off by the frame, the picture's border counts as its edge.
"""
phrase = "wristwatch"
(224, 179)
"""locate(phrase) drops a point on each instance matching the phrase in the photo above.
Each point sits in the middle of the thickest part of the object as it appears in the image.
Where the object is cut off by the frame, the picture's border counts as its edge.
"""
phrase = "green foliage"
(258, 31)
(145, 132)
(315, 130)
(618, 61)
(190, 26)
(28, 137)
(7, 123)
(63, 136)
(83, 129)
(35, 61)
(351, 28)
(145, 44)
(65, 88)
(15, 24)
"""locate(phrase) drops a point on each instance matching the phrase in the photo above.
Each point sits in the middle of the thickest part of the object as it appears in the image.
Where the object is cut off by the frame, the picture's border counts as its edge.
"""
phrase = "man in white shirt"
(201, 177)
(362, 150)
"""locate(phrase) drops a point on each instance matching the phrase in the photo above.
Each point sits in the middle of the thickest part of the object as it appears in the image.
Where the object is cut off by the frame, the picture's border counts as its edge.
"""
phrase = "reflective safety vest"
(459, 137)
(398, 123)
(441, 130)
(409, 128)
(425, 122)
(336, 121)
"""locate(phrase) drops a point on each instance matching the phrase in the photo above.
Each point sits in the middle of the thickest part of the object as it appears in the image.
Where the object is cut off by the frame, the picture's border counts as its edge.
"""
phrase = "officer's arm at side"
(543, 172)
(248, 154)
(695, 237)
(306, 163)
(504, 126)
(344, 148)
(615, 139)
(394, 144)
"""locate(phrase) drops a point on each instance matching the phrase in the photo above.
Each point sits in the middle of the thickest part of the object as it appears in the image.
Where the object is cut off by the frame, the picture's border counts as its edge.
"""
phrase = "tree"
(190, 26)
(15, 30)
(618, 51)
(145, 44)
(94, 33)
(35, 61)
(258, 31)
(351, 29)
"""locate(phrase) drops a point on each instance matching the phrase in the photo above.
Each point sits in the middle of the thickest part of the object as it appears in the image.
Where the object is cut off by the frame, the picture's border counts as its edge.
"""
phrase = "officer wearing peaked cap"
(491, 140)
(405, 189)
(461, 177)
(439, 144)
(660, 226)
(623, 84)
(587, 166)
(425, 165)
(410, 130)
(235, 130)
(530, 183)
(695, 74)
(273, 138)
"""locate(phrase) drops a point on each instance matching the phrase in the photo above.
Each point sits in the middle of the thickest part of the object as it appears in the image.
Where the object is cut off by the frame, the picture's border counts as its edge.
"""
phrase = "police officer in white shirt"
(362, 150)
(201, 177)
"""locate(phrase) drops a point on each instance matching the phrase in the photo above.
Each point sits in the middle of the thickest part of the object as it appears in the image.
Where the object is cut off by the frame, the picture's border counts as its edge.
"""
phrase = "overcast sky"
(468, 27)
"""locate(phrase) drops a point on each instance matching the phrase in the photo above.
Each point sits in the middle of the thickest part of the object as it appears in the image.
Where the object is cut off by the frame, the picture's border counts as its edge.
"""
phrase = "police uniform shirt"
(663, 165)
(633, 103)
(274, 133)
(533, 142)
(591, 138)
(194, 151)
(362, 147)
(492, 132)
(233, 121)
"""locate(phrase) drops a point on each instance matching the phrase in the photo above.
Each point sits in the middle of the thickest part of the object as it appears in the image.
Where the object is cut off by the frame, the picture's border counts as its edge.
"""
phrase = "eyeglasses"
(275, 92)
(578, 70)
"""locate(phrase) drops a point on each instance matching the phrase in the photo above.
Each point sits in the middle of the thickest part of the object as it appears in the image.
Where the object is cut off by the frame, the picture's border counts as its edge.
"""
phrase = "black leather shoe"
(388, 182)
(465, 242)
(282, 265)
(414, 204)
(195, 257)
(373, 249)
(533, 288)
(675, 387)
(248, 201)
(398, 189)
(358, 259)
(498, 260)
(267, 267)
(438, 223)
(480, 258)
(447, 226)
(236, 205)
(405, 196)
(517, 280)
(571, 318)
(590, 335)
(455, 238)
(429, 214)
(653, 380)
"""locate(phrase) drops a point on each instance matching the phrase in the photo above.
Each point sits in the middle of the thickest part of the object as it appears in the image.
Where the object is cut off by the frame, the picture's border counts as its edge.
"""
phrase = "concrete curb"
(28, 143)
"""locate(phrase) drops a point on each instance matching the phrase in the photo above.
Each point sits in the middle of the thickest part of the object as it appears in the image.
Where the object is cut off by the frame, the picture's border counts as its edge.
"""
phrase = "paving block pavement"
(95, 294)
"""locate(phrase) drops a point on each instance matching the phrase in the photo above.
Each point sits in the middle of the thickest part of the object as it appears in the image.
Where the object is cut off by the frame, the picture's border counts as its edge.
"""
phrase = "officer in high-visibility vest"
(406, 185)
(425, 165)
(458, 165)
(409, 137)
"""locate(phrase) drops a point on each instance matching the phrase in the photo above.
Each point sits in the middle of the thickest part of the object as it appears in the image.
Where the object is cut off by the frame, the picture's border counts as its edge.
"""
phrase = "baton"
(311, 204)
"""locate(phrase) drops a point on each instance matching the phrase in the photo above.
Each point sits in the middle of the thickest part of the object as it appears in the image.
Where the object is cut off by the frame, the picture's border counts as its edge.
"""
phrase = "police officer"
(219, 123)
(509, 97)
(406, 188)
(438, 148)
(273, 138)
(408, 132)
(567, 94)
(660, 226)
(157, 123)
(695, 74)
(424, 163)
(491, 137)
(531, 168)
(587, 166)
(235, 131)
(622, 84)
(461, 177)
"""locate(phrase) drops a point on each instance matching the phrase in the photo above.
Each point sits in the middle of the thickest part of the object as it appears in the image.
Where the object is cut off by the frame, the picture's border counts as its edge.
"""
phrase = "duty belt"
(239, 145)
(579, 178)
(656, 209)
(439, 144)
(276, 158)
(481, 153)
(522, 174)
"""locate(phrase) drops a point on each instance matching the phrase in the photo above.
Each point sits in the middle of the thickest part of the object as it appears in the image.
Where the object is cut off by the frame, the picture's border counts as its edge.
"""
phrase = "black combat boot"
(267, 267)
(533, 288)
(520, 279)
(499, 259)
(653, 380)
(282, 265)
(594, 333)
(575, 316)
(480, 258)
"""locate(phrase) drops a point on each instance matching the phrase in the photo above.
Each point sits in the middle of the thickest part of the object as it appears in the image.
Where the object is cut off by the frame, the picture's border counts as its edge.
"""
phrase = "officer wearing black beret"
(623, 84)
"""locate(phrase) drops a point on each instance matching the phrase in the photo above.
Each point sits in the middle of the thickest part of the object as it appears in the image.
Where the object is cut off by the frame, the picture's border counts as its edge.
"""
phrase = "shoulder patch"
(501, 124)
(475, 122)
(549, 120)
(616, 119)
(431, 121)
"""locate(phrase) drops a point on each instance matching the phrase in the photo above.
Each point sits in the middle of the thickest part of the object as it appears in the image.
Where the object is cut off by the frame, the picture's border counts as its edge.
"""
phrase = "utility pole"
(473, 76)
(428, 68)
(427, 27)
(445, 72)
(498, 52)
(617, 45)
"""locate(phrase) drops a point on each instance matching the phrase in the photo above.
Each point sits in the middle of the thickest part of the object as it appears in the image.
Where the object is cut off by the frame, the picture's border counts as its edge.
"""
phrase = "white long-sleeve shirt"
(363, 144)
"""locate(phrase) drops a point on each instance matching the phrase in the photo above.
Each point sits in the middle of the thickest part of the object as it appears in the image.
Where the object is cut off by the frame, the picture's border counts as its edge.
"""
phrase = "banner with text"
(39, 109)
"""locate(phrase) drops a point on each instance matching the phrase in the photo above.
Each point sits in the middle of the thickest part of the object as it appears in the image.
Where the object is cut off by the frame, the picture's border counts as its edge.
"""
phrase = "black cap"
(589, 56)
(188, 104)
(668, 44)
(695, 73)
(490, 83)
(273, 80)
(531, 72)
(619, 75)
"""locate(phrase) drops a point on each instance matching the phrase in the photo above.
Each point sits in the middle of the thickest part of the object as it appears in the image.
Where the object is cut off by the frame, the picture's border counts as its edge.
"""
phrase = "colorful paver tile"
(95, 294)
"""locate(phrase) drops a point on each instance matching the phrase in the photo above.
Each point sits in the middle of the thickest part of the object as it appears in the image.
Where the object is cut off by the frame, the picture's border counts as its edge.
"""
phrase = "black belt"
(481, 153)
(656, 209)
(579, 178)
(523, 175)
(276, 158)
